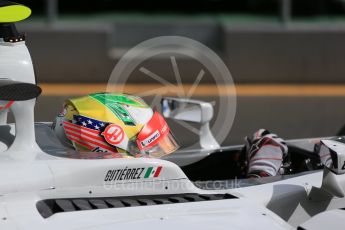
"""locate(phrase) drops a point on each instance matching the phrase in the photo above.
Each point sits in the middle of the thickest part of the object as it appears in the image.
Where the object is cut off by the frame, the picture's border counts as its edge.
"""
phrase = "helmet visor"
(155, 138)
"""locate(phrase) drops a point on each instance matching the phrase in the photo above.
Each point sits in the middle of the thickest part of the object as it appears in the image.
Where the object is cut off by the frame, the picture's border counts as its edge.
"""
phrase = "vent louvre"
(130, 202)
(162, 201)
(82, 204)
(194, 198)
(115, 203)
(50, 207)
(176, 199)
(65, 205)
(145, 202)
(98, 204)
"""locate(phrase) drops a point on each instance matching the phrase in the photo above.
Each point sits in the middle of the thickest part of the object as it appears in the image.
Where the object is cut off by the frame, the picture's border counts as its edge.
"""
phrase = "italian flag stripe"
(153, 172)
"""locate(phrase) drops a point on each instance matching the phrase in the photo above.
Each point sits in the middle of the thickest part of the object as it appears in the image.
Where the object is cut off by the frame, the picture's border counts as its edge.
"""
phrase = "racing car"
(42, 187)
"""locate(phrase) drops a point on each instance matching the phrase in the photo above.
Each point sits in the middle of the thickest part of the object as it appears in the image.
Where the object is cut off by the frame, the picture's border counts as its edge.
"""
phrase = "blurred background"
(287, 57)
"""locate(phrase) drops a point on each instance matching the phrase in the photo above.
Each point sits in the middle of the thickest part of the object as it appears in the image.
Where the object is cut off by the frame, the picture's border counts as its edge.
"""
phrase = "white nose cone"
(16, 62)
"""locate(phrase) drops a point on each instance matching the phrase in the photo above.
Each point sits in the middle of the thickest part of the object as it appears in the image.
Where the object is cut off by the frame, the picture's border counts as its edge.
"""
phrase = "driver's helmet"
(114, 123)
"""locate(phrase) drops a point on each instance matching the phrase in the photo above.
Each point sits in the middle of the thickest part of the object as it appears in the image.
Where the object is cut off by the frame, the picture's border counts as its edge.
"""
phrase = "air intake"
(49, 207)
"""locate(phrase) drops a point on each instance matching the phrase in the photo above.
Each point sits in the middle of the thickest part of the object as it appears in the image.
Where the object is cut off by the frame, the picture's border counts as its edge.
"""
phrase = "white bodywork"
(23, 184)
(278, 205)
(323, 220)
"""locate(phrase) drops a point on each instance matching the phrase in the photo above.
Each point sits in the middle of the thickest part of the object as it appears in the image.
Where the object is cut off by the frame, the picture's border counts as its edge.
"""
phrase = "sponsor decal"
(132, 173)
(150, 139)
(99, 150)
(124, 174)
(113, 134)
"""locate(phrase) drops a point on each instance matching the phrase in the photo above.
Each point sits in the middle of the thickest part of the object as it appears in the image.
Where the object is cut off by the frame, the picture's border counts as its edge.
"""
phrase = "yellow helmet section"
(14, 13)
(98, 107)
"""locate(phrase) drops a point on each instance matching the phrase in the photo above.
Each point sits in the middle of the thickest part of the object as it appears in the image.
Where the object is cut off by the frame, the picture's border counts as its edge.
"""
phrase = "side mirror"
(332, 155)
(192, 111)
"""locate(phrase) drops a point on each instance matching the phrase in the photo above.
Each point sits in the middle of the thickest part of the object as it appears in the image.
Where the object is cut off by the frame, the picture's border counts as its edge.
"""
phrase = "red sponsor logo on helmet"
(113, 134)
